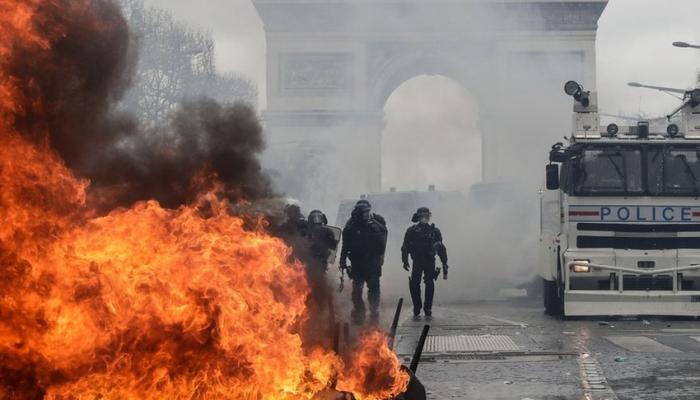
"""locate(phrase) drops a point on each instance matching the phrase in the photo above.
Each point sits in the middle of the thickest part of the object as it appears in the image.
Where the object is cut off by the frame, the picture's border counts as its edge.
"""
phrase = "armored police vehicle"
(620, 219)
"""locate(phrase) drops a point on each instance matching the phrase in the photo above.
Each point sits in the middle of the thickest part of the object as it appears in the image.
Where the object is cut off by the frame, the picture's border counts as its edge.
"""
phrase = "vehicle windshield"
(649, 170)
(674, 170)
(609, 171)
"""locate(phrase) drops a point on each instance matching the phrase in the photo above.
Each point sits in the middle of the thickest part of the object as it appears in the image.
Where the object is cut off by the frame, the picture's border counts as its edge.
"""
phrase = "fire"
(373, 380)
(144, 302)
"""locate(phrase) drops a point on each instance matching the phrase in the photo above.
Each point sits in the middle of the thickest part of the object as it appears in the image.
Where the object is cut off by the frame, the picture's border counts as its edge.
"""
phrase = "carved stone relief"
(317, 73)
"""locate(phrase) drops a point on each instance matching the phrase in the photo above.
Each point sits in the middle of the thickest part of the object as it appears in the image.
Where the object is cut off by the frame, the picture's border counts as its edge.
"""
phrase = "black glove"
(437, 273)
(406, 267)
(445, 267)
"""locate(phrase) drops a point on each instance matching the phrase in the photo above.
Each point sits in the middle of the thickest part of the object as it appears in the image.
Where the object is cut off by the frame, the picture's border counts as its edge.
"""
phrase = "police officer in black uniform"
(375, 216)
(423, 241)
(292, 230)
(364, 244)
(321, 240)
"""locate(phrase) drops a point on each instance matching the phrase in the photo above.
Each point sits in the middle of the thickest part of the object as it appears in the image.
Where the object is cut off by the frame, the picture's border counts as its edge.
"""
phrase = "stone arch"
(332, 65)
(410, 64)
(432, 135)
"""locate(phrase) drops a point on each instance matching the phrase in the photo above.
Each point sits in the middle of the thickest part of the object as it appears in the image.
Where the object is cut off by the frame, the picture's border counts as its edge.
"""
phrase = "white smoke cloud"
(434, 124)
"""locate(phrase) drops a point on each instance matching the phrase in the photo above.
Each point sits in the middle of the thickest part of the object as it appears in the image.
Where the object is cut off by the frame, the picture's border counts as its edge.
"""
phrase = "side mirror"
(552, 176)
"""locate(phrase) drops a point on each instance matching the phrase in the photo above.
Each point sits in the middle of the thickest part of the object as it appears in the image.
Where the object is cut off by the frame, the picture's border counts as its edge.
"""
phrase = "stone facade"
(332, 65)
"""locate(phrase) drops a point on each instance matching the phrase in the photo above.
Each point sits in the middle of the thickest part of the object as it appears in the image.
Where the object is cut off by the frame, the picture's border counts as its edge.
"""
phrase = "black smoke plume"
(172, 163)
(71, 86)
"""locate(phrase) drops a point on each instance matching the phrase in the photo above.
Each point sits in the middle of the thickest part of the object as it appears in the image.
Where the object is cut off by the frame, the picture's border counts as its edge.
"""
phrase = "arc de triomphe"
(332, 64)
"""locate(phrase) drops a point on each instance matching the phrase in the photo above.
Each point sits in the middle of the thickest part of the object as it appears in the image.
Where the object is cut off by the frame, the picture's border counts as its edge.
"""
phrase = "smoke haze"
(433, 135)
(432, 127)
(71, 87)
(629, 30)
(494, 235)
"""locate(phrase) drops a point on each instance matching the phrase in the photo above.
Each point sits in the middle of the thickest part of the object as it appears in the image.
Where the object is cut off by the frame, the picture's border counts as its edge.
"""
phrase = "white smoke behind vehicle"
(435, 125)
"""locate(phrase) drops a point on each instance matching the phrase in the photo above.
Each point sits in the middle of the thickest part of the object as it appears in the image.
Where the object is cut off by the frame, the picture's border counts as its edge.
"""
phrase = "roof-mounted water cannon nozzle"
(695, 97)
(692, 100)
(586, 122)
(691, 114)
(575, 90)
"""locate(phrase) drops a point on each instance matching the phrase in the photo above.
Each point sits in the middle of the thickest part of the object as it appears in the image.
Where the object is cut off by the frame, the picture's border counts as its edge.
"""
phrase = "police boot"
(414, 287)
(429, 294)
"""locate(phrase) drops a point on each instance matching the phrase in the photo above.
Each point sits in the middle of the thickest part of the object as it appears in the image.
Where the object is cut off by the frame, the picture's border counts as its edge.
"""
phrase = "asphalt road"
(509, 349)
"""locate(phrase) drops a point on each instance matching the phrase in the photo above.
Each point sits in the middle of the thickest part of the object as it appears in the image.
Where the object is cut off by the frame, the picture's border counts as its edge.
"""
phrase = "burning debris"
(125, 275)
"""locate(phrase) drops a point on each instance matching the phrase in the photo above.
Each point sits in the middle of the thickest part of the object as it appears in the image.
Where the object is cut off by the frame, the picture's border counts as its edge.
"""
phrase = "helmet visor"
(316, 218)
(424, 217)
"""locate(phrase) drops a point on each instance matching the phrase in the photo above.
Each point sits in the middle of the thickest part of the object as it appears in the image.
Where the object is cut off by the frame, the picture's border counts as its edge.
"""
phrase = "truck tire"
(552, 299)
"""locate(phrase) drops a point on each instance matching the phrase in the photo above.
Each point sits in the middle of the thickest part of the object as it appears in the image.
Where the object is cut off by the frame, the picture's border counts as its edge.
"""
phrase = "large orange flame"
(147, 302)
(371, 379)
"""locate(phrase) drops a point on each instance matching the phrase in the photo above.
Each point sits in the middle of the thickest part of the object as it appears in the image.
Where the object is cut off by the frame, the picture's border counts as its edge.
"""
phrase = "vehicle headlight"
(581, 266)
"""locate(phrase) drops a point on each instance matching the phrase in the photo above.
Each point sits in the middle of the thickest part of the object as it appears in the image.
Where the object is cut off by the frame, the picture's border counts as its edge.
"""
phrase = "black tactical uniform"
(423, 241)
(364, 243)
(293, 231)
(321, 240)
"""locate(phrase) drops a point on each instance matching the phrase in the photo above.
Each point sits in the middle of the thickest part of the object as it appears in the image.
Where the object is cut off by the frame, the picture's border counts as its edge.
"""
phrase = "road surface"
(507, 349)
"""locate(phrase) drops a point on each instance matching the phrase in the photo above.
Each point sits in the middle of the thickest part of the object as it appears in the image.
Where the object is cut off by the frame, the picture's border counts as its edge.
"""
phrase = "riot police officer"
(375, 216)
(423, 241)
(321, 240)
(318, 245)
(292, 230)
(294, 222)
(364, 244)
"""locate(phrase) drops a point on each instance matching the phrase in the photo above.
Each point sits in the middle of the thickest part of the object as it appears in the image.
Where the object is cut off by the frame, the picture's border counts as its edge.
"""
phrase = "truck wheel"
(552, 300)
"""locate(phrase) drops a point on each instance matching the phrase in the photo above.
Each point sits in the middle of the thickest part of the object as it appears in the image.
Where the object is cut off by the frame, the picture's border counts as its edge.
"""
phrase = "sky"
(634, 44)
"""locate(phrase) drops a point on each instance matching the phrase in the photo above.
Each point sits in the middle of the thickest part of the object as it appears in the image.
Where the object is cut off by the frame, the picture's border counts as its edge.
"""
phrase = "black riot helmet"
(422, 215)
(364, 203)
(364, 209)
(361, 212)
(293, 212)
(316, 217)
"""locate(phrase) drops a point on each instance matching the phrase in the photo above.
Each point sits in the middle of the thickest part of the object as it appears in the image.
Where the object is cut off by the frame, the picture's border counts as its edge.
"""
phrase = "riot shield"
(337, 233)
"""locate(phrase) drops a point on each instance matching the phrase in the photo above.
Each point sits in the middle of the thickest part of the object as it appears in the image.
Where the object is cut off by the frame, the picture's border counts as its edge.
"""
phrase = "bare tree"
(175, 61)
